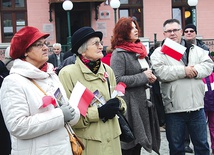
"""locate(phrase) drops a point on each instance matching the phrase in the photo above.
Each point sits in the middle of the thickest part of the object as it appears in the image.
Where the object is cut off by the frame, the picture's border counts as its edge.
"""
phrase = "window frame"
(183, 6)
(14, 11)
(129, 6)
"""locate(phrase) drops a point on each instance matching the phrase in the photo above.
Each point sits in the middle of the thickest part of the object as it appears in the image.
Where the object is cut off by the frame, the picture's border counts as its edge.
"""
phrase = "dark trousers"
(133, 151)
(5, 143)
(187, 137)
(176, 124)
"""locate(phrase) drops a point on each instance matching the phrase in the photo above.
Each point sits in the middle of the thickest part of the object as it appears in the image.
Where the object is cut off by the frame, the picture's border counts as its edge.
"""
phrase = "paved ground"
(164, 150)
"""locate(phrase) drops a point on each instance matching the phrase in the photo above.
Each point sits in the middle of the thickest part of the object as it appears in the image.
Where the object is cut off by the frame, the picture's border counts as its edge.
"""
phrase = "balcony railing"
(209, 43)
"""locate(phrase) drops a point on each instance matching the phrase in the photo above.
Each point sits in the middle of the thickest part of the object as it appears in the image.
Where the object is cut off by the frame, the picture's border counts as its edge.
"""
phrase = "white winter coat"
(34, 130)
(180, 93)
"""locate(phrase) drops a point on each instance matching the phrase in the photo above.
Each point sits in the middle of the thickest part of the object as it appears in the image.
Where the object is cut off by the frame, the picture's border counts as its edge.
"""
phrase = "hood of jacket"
(28, 70)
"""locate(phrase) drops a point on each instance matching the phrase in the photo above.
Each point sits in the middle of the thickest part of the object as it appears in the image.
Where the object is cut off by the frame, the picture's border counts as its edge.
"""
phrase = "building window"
(13, 17)
(132, 8)
(182, 11)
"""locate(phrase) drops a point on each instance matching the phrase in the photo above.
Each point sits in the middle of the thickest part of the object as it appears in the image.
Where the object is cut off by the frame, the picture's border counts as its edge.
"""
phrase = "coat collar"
(88, 74)
(27, 70)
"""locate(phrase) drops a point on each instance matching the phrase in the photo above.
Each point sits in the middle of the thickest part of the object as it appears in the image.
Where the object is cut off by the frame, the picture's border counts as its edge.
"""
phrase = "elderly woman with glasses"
(33, 102)
(99, 129)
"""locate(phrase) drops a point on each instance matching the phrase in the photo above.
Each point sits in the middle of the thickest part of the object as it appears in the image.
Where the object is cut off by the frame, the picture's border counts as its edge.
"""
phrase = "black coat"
(67, 61)
(4, 134)
(53, 59)
(3, 72)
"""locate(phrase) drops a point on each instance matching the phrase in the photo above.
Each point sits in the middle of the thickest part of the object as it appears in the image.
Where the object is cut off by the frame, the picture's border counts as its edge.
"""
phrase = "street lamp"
(115, 4)
(68, 6)
(193, 4)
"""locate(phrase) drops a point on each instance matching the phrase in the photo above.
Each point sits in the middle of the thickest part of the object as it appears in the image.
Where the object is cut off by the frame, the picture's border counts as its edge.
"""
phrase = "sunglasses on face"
(191, 31)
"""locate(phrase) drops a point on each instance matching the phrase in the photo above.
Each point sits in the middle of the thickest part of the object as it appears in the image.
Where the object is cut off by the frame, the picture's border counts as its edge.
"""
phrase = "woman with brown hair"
(131, 66)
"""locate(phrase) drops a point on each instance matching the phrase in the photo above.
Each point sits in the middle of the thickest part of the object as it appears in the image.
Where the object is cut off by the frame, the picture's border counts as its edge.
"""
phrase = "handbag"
(126, 131)
(77, 146)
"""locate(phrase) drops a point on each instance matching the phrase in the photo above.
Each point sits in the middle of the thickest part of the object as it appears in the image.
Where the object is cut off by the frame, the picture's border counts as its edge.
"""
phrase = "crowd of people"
(161, 90)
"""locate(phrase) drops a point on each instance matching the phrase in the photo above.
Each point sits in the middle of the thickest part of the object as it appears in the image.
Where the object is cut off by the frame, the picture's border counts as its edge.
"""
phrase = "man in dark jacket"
(67, 61)
(57, 57)
(190, 33)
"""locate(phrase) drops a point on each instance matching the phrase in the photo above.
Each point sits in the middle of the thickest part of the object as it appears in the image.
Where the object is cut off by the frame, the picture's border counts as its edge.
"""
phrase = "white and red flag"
(119, 90)
(121, 87)
(173, 49)
(81, 97)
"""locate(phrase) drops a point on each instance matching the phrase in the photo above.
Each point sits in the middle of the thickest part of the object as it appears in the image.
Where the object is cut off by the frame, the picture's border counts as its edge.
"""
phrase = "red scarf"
(137, 48)
(43, 68)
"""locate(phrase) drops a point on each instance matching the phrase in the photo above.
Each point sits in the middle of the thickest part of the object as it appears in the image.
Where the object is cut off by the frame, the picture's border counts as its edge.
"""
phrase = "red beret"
(23, 39)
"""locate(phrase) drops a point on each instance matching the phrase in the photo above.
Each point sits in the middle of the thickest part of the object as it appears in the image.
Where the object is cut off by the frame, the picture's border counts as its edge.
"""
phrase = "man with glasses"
(190, 33)
(183, 91)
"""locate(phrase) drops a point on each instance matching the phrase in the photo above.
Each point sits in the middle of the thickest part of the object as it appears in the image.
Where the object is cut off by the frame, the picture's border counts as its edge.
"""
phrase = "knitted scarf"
(92, 65)
(137, 48)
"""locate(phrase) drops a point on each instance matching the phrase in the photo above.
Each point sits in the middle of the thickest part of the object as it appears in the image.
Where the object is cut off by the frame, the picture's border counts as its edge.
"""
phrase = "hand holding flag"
(48, 100)
(119, 90)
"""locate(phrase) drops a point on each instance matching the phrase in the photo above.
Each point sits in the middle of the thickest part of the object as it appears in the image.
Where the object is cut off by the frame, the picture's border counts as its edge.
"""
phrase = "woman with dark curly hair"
(131, 66)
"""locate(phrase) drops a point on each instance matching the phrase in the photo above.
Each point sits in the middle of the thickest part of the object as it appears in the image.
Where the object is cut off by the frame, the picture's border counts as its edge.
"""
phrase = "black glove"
(109, 110)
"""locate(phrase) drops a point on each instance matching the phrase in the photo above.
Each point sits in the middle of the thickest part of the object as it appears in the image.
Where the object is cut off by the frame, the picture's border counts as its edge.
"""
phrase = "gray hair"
(83, 48)
(56, 45)
(7, 52)
(170, 21)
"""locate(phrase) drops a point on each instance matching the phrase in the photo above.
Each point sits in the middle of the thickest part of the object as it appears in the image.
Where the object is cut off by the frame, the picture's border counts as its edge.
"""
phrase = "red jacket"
(106, 59)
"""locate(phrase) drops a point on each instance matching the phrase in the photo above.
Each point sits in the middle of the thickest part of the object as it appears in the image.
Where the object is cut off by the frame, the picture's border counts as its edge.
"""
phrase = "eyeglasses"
(191, 31)
(170, 31)
(40, 45)
(97, 43)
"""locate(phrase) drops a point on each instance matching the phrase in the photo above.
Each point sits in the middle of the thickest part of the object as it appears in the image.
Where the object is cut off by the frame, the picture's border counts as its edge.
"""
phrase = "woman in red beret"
(33, 102)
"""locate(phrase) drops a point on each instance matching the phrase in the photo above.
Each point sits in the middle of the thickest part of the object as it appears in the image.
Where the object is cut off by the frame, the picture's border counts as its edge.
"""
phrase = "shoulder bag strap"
(107, 81)
(208, 83)
(8, 62)
(38, 86)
